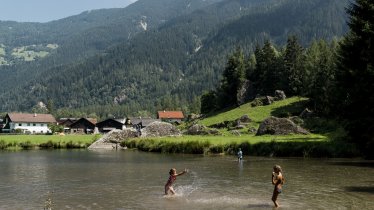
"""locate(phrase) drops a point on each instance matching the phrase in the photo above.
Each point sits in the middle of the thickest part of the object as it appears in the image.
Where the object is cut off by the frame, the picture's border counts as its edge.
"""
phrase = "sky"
(48, 10)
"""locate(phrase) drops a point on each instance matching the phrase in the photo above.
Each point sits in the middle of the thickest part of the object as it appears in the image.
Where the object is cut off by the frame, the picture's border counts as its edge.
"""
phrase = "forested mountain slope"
(79, 37)
(169, 66)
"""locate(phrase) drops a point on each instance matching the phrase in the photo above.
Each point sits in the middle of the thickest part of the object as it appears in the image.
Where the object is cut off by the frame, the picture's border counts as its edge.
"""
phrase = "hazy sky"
(48, 10)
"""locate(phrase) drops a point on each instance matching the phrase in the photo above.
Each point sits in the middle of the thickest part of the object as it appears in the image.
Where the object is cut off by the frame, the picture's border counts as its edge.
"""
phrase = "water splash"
(186, 190)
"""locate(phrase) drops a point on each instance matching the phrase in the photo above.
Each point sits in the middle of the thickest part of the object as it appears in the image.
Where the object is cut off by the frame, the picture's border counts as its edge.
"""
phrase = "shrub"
(3, 145)
(26, 145)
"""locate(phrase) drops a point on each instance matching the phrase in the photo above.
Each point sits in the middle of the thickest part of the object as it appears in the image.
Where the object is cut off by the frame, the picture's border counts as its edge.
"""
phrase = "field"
(46, 141)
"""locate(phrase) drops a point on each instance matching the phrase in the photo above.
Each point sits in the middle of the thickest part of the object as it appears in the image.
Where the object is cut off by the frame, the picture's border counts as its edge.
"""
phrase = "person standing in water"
(277, 180)
(240, 155)
(173, 176)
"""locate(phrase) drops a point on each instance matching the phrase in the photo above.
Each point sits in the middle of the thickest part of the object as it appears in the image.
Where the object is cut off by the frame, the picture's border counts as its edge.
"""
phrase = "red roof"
(170, 114)
(31, 118)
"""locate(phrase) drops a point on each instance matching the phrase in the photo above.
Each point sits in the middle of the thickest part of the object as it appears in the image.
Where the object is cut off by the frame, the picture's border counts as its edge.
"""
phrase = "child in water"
(240, 155)
(277, 180)
(173, 176)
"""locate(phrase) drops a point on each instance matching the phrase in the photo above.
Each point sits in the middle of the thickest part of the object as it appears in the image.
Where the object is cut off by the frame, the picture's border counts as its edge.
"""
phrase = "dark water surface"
(81, 179)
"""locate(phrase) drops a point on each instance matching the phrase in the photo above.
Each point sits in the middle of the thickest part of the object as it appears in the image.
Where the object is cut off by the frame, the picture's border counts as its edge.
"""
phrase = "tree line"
(337, 76)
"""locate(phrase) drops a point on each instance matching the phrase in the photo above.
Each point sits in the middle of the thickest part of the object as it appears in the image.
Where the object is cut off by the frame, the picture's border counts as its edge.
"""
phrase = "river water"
(81, 179)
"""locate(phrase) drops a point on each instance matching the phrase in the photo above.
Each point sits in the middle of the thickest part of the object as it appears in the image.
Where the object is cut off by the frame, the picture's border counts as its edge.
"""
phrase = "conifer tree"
(355, 78)
(293, 79)
(233, 78)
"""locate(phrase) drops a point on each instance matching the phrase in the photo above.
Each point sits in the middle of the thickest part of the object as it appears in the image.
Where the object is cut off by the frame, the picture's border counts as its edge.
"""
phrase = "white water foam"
(186, 190)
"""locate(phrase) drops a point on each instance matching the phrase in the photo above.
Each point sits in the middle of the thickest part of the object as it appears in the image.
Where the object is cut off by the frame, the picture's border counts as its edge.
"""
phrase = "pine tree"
(355, 78)
(320, 69)
(266, 75)
(293, 79)
(233, 78)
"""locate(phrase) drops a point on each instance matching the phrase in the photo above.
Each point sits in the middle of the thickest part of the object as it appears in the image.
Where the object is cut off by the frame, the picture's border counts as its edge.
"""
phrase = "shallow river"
(80, 179)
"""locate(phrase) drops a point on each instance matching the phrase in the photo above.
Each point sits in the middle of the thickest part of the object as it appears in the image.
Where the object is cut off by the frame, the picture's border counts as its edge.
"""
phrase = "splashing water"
(186, 190)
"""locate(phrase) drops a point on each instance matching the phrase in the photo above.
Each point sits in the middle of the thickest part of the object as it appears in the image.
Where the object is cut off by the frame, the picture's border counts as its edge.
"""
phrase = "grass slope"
(258, 114)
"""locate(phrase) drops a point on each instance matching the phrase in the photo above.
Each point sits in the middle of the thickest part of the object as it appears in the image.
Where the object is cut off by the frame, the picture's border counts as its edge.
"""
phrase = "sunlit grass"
(256, 114)
(46, 141)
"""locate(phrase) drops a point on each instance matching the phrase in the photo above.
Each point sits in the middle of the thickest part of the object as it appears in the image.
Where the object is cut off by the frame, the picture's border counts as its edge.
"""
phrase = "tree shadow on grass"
(364, 189)
(293, 109)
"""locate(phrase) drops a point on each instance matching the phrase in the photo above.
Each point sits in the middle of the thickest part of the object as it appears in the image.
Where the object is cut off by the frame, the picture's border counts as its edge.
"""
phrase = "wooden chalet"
(142, 121)
(66, 122)
(83, 125)
(170, 116)
(110, 124)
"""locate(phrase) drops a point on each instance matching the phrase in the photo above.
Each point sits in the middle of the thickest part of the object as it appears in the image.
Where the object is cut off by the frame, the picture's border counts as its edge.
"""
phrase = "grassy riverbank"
(280, 146)
(326, 138)
(16, 142)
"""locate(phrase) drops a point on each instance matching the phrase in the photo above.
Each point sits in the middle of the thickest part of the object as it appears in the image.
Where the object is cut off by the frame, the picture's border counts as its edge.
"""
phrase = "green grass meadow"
(46, 141)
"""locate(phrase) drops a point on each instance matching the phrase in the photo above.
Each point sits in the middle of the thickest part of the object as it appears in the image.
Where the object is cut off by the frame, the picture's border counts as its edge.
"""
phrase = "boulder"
(201, 130)
(235, 133)
(112, 139)
(306, 113)
(268, 100)
(245, 119)
(157, 129)
(252, 130)
(239, 127)
(279, 95)
(245, 92)
(279, 126)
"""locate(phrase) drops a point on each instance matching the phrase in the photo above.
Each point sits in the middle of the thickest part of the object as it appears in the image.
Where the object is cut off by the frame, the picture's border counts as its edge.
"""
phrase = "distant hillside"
(80, 37)
(171, 64)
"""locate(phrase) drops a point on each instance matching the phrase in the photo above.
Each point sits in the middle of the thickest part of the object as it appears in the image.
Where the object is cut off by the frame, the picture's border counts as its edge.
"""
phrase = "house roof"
(145, 121)
(31, 118)
(170, 114)
(104, 122)
(67, 122)
(85, 122)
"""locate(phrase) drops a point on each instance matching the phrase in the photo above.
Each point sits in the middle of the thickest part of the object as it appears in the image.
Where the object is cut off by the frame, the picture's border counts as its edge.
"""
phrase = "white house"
(28, 123)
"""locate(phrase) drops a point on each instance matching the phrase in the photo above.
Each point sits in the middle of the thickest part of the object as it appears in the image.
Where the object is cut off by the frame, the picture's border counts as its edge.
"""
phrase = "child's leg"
(172, 190)
(167, 188)
(274, 198)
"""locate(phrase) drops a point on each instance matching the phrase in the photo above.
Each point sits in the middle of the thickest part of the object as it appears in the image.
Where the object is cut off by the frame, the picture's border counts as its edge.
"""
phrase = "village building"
(142, 122)
(83, 125)
(110, 124)
(170, 116)
(27, 123)
(66, 123)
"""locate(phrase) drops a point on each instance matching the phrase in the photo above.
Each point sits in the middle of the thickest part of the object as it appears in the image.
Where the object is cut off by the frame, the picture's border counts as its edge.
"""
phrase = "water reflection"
(135, 180)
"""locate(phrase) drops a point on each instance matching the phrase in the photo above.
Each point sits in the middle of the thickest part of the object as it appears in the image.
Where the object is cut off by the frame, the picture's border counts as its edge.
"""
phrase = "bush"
(26, 145)
(3, 145)
(47, 145)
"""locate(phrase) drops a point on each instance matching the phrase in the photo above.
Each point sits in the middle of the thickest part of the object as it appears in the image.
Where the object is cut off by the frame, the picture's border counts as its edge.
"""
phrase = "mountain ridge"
(170, 64)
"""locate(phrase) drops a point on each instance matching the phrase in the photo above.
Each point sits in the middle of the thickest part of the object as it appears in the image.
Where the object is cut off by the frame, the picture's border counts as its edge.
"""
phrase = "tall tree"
(266, 75)
(293, 79)
(355, 78)
(320, 69)
(208, 102)
(233, 78)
